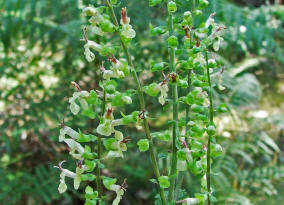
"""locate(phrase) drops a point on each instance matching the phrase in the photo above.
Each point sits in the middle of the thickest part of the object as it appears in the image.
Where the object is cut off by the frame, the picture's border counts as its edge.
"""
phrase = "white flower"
(90, 56)
(191, 201)
(105, 129)
(108, 74)
(67, 173)
(199, 58)
(127, 31)
(164, 92)
(216, 44)
(90, 11)
(119, 193)
(75, 146)
(117, 68)
(80, 96)
(96, 30)
(67, 131)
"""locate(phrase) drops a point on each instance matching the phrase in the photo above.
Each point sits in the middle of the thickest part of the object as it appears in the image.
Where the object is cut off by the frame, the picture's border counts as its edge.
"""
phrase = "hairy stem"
(211, 115)
(99, 145)
(142, 106)
(175, 116)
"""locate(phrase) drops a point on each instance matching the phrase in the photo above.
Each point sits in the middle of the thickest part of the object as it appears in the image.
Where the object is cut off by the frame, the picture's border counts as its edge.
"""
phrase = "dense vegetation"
(42, 53)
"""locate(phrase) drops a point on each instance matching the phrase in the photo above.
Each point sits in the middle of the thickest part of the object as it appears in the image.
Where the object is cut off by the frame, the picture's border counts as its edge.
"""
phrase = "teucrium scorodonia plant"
(193, 142)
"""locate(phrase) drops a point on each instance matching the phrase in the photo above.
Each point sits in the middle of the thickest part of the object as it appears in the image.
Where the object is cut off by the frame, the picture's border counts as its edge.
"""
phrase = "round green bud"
(212, 63)
(172, 7)
(187, 16)
(110, 89)
(203, 4)
(197, 12)
(211, 130)
(191, 123)
(216, 150)
(173, 41)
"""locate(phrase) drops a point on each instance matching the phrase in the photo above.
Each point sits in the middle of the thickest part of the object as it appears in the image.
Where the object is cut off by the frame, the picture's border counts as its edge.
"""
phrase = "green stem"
(99, 189)
(211, 115)
(173, 170)
(142, 105)
(188, 107)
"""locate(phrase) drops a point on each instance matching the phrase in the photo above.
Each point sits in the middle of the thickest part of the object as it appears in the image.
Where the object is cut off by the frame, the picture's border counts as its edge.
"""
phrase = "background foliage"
(41, 54)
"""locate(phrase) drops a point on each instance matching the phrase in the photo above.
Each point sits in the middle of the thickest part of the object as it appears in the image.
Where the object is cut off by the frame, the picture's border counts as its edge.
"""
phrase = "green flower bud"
(187, 16)
(197, 12)
(191, 123)
(152, 89)
(164, 182)
(222, 108)
(197, 108)
(198, 129)
(158, 67)
(143, 145)
(107, 26)
(211, 130)
(173, 41)
(212, 63)
(216, 150)
(126, 99)
(203, 4)
(197, 83)
(172, 7)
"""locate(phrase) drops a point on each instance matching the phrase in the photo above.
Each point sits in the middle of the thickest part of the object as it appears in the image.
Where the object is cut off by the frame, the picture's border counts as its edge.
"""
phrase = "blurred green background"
(41, 53)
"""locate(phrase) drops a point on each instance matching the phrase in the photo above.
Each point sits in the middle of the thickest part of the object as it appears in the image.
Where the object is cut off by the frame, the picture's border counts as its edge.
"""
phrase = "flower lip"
(60, 165)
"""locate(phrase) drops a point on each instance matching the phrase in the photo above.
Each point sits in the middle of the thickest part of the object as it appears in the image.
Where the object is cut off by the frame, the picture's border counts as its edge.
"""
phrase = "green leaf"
(92, 99)
(107, 181)
(89, 112)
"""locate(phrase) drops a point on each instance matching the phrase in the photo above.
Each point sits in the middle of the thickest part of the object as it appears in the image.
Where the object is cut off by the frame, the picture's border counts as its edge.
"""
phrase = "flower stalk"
(99, 148)
(142, 104)
(211, 116)
(173, 169)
